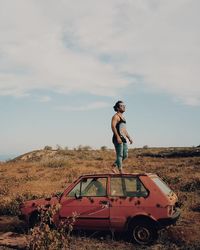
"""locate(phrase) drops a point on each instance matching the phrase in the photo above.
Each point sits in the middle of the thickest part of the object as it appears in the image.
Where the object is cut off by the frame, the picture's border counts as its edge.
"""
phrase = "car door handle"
(104, 202)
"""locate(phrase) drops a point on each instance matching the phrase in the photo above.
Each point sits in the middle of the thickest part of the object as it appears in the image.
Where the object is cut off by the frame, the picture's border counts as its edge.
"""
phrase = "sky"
(64, 64)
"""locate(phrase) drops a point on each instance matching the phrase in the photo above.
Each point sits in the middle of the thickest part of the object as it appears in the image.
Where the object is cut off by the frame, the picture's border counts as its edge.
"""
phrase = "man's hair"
(117, 105)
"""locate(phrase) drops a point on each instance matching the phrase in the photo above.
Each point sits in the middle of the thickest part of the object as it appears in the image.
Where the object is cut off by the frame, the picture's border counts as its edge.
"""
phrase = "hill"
(171, 152)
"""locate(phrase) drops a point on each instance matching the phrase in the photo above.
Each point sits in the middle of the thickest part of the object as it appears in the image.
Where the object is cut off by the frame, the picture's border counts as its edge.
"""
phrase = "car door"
(127, 199)
(88, 203)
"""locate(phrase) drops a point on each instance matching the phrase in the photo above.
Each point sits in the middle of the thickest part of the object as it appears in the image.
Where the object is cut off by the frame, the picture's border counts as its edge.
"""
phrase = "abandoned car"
(139, 204)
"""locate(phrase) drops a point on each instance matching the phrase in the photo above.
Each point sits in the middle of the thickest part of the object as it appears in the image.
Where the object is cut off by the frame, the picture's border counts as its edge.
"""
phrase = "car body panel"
(91, 212)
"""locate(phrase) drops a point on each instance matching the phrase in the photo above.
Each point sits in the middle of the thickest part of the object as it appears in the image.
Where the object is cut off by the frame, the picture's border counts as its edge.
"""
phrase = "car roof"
(117, 175)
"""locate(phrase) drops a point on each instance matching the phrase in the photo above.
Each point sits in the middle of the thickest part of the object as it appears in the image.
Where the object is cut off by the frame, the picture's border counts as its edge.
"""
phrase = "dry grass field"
(44, 172)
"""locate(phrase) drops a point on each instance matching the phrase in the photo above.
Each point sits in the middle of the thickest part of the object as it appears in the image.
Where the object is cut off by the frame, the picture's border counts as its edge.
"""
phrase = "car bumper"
(169, 221)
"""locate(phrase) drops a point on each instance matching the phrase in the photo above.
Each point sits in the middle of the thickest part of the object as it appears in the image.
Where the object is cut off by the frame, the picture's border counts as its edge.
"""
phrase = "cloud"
(95, 46)
(90, 106)
(45, 99)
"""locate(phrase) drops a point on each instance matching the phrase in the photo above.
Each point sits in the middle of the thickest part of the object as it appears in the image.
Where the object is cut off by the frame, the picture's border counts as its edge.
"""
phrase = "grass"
(48, 172)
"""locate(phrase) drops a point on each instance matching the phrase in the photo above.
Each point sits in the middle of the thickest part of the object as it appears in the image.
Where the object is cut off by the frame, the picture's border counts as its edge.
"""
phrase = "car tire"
(143, 232)
(34, 219)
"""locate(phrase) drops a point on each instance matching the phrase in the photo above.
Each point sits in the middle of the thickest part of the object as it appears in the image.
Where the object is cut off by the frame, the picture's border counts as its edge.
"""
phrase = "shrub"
(57, 162)
(47, 148)
(12, 207)
(45, 236)
(191, 186)
(195, 207)
(104, 148)
(84, 148)
(59, 147)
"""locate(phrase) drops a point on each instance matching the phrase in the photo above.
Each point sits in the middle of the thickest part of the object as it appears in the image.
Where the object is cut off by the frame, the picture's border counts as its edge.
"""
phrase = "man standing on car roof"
(120, 136)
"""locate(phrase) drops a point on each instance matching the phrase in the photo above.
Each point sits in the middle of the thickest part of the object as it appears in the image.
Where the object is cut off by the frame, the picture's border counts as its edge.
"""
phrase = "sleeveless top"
(120, 126)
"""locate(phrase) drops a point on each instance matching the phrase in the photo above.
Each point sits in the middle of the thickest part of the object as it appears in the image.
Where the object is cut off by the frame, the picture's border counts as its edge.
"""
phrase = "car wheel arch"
(142, 217)
(34, 218)
(145, 222)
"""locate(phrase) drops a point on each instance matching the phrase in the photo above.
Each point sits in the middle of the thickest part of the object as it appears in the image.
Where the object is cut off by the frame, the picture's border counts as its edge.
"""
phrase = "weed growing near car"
(45, 236)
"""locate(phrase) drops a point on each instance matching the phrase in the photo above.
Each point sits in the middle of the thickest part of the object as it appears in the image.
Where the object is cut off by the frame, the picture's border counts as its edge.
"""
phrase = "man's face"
(122, 107)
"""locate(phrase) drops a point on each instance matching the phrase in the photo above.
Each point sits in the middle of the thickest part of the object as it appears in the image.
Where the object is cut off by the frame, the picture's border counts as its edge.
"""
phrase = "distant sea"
(7, 157)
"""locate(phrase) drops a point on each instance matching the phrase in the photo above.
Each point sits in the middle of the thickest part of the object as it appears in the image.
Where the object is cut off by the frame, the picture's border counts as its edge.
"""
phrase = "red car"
(139, 204)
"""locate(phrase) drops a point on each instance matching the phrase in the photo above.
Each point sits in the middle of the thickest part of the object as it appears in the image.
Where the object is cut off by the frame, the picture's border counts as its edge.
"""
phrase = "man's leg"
(119, 155)
(114, 165)
(125, 151)
(124, 154)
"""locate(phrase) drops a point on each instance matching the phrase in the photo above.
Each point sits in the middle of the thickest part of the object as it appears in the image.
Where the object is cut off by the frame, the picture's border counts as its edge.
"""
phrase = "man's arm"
(115, 120)
(128, 136)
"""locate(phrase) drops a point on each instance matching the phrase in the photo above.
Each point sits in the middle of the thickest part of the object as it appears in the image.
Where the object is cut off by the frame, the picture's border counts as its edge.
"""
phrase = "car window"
(90, 187)
(162, 185)
(75, 190)
(127, 186)
(93, 187)
(116, 187)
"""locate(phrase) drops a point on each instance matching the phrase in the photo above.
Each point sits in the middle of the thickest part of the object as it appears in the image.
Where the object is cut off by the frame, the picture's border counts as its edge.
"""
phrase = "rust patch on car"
(91, 199)
(137, 203)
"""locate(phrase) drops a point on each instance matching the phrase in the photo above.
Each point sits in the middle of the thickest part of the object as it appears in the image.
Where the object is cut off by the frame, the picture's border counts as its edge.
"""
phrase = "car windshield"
(162, 185)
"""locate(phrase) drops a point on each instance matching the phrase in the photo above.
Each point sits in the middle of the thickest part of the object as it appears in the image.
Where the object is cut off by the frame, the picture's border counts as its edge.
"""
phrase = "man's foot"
(121, 171)
(113, 169)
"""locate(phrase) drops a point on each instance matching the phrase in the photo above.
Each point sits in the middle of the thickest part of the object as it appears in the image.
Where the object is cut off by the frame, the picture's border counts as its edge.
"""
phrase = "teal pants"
(121, 153)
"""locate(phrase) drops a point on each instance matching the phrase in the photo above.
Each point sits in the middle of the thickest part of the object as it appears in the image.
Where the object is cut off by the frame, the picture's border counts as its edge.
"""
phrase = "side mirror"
(77, 194)
(58, 194)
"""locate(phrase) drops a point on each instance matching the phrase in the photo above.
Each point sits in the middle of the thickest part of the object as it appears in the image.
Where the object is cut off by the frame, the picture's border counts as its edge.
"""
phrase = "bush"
(104, 148)
(59, 147)
(195, 207)
(47, 148)
(12, 207)
(45, 236)
(57, 162)
(84, 148)
(191, 186)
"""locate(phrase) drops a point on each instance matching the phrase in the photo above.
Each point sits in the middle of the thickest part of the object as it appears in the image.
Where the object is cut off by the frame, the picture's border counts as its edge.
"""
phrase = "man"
(120, 136)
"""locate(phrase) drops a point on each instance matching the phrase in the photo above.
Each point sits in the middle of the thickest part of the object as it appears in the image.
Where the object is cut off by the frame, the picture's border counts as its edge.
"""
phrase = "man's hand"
(119, 140)
(130, 140)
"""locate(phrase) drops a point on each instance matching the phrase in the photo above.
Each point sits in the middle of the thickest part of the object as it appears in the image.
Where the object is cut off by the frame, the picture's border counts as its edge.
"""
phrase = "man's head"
(119, 106)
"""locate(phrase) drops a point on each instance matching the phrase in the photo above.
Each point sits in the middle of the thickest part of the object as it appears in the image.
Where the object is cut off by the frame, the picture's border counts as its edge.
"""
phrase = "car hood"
(40, 202)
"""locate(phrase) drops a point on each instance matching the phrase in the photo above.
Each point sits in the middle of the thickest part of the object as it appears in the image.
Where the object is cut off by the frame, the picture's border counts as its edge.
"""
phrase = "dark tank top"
(119, 126)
